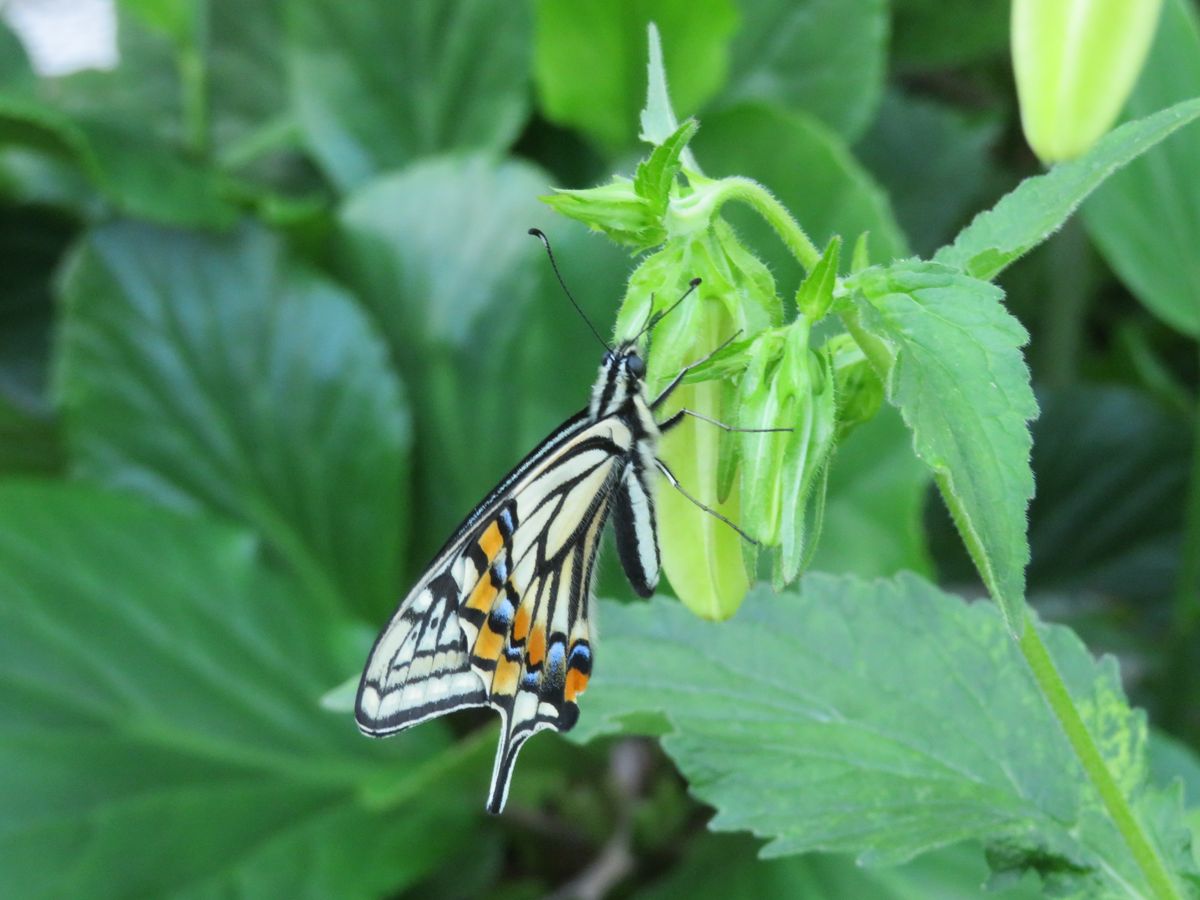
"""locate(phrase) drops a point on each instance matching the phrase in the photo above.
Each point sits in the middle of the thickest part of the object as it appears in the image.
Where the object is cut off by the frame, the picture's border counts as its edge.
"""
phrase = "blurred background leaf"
(826, 58)
(166, 657)
(379, 84)
(216, 373)
(1146, 219)
(577, 38)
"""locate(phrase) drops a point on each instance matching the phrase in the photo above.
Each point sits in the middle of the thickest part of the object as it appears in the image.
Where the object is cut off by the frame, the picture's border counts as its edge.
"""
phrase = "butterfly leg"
(670, 476)
(674, 420)
(678, 379)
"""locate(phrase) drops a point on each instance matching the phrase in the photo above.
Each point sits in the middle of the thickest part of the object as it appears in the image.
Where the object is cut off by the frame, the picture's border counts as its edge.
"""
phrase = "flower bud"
(1076, 62)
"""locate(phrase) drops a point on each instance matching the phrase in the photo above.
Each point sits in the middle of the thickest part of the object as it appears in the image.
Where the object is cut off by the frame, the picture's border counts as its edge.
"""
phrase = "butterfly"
(502, 617)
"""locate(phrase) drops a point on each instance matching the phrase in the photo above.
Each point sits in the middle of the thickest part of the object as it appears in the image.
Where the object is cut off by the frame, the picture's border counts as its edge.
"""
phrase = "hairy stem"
(1050, 683)
(776, 214)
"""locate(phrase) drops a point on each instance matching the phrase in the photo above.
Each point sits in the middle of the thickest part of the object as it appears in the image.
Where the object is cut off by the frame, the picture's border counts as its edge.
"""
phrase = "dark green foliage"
(270, 325)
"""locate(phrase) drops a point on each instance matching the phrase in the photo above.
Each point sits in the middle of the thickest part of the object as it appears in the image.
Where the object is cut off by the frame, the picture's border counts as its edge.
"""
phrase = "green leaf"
(812, 172)
(1038, 206)
(720, 866)
(932, 34)
(15, 71)
(450, 292)
(934, 161)
(216, 373)
(378, 84)
(1146, 219)
(883, 719)
(159, 727)
(655, 175)
(590, 60)
(876, 500)
(133, 171)
(826, 58)
(952, 364)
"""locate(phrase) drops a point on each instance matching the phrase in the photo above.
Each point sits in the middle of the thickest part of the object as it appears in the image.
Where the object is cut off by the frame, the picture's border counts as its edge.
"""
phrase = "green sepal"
(815, 294)
(655, 175)
(616, 209)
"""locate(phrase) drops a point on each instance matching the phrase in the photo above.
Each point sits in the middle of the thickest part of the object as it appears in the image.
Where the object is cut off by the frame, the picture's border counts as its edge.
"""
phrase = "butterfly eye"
(634, 365)
(608, 357)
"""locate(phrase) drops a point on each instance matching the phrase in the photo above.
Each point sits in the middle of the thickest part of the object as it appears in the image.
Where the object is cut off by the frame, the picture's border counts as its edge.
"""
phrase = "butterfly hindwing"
(526, 618)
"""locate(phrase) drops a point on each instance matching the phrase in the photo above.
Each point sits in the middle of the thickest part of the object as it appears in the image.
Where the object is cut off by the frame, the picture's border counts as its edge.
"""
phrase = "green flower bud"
(1076, 62)
(616, 209)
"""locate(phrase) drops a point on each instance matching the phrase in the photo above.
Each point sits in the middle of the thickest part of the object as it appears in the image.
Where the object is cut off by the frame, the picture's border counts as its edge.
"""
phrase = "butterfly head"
(622, 371)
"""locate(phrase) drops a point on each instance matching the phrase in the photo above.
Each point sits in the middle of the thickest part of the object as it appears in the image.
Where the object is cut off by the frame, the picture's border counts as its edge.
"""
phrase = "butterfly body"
(501, 617)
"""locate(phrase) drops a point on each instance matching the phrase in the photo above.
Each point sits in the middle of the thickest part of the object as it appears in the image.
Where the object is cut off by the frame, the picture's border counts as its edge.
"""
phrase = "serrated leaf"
(1146, 219)
(160, 733)
(378, 84)
(826, 58)
(950, 356)
(720, 866)
(1038, 206)
(883, 719)
(216, 373)
(656, 174)
(590, 60)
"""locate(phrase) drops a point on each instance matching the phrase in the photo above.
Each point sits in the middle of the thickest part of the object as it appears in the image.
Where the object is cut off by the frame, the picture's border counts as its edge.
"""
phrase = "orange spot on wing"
(505, 680)
(488, 644)
(576, 684)
(537, 647)
(521, 623)
(491, 541)
(482, 596)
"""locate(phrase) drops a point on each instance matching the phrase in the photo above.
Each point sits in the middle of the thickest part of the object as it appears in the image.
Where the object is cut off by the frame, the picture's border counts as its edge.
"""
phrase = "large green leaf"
(1146, 219)
(590, 60)
(1038, 206)
(721, 866)
(823, 57)
(883, 719)
(951, 358)
(160, 733)
(378, 84)
(810, 169)
(214, 372)
(449, 291)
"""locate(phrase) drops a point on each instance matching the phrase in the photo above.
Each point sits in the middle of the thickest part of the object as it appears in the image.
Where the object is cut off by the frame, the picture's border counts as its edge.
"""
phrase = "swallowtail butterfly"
(501, 617)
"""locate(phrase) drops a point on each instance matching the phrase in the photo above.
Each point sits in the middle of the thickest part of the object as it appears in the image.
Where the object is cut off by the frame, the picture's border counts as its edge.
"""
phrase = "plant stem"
(1050, 683)
(193, 77)
(1187, 583)
(764, 203)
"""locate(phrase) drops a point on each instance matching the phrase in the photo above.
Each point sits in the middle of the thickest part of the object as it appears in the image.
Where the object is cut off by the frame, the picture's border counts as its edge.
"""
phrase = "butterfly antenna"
(537, 233)
(654, 320)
